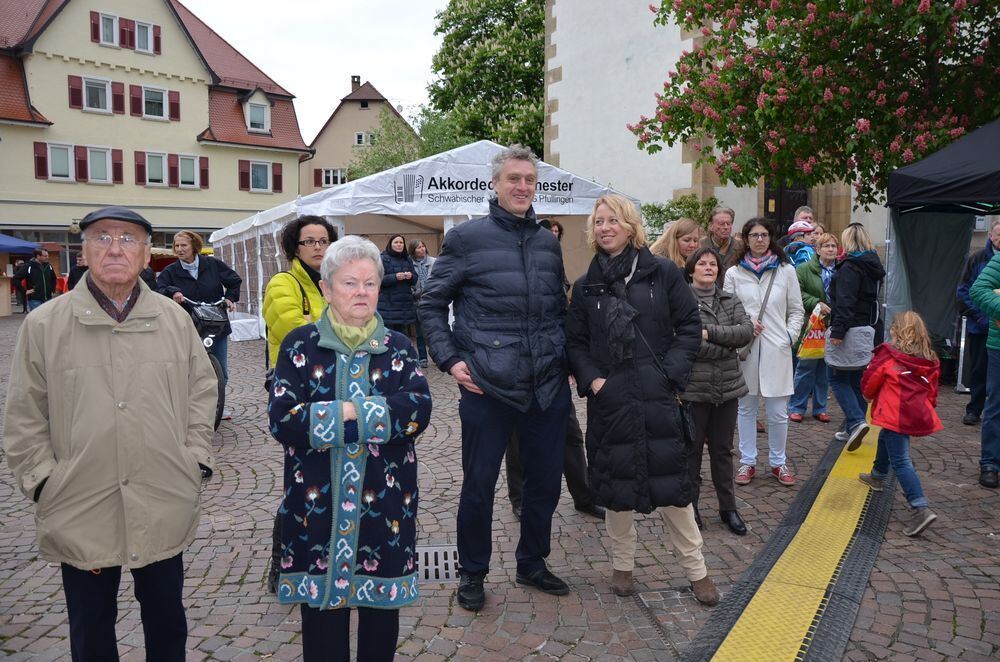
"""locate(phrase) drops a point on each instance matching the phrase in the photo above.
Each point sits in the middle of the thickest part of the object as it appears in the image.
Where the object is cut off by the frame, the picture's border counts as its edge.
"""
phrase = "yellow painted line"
(777, 621)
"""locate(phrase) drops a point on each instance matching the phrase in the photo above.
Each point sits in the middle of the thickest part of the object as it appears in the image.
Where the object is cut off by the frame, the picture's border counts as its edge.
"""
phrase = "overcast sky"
(313, 47)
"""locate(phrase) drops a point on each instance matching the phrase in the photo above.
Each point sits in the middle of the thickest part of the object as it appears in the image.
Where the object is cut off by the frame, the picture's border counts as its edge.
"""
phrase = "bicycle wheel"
(217, 367)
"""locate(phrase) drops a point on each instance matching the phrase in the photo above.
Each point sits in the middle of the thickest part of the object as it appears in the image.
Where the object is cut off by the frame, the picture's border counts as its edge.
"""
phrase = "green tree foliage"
(690, 206)
(826, 90)
(397, 143)
(491, 69)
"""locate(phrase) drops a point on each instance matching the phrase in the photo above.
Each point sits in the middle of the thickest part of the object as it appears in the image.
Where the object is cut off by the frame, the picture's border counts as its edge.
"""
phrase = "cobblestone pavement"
(935, 597)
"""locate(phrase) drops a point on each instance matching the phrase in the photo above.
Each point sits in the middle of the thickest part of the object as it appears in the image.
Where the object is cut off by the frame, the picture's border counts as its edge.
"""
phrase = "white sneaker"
(857, 436)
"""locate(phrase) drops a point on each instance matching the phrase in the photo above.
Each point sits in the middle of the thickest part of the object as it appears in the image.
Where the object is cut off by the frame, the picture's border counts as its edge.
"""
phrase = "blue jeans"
(34, 303)
(894, 449)
(220, 350)
(811, 378)
(846, 386)
(990, 458)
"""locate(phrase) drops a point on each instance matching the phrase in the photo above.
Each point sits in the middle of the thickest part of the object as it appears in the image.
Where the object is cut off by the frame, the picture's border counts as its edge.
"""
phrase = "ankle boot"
(705, 591)
(732, 519)
(621, 583)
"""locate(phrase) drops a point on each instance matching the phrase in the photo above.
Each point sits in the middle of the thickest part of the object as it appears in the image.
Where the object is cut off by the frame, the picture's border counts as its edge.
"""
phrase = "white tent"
(425, 196)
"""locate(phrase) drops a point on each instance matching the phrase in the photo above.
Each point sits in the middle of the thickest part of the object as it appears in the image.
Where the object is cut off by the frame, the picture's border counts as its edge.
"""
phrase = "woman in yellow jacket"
(292, 299)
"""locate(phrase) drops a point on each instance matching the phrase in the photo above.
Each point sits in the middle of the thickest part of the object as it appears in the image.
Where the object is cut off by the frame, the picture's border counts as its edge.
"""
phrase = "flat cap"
(117, 213)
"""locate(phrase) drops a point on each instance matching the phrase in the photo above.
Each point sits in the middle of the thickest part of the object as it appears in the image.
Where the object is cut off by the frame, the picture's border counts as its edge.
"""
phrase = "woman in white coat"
(768, 368)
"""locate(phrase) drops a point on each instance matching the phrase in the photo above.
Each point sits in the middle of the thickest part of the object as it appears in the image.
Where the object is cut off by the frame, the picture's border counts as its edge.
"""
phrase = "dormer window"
(258, 117)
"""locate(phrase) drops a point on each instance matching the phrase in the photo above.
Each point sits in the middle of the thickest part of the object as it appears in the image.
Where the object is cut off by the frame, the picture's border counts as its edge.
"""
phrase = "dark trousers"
(714, 426)
(574, 466)
(326, 634)
(487, 425)
(975, 354)
(92, 605)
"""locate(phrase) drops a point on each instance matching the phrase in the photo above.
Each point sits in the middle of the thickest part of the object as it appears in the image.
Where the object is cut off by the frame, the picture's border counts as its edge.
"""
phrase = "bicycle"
(210, 320)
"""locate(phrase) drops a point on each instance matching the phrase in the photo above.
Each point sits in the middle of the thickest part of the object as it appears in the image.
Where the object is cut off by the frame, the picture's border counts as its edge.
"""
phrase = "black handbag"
(683, 408)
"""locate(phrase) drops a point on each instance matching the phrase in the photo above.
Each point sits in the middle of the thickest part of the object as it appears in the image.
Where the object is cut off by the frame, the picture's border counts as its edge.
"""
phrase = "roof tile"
(14, 103)
(228, 125)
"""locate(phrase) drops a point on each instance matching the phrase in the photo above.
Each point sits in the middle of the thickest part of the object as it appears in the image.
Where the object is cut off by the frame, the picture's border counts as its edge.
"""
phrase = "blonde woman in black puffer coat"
(716, 382)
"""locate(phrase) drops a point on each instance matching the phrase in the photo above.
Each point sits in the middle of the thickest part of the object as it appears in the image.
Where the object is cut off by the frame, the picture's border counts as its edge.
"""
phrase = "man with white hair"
(108, 428)
(503, 273)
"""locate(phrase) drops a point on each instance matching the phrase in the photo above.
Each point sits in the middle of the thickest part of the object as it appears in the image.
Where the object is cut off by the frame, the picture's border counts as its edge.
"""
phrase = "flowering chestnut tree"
(824, 91)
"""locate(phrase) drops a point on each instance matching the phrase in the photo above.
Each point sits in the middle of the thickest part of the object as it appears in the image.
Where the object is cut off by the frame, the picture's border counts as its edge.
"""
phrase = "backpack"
(268, 368)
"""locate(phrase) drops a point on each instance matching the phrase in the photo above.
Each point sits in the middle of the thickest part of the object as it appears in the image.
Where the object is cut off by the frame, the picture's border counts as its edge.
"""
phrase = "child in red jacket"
(902, 383)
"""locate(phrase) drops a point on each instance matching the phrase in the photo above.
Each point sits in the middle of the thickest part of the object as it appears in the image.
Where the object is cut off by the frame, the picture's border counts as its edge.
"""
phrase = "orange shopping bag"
(813, 344)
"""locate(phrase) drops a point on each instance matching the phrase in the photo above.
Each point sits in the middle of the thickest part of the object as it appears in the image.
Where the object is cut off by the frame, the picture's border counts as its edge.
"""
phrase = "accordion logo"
(408, 188)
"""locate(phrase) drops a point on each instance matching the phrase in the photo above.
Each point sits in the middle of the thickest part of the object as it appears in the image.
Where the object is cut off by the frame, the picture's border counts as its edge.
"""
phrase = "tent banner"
(428, 188)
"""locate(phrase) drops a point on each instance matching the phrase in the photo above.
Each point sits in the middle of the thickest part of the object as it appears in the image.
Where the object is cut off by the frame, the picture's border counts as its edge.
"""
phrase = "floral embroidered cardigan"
(350, 499)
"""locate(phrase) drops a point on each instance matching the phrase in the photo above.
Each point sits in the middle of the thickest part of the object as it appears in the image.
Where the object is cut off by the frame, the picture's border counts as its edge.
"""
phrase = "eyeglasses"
(126, 240)
(759, 236)
(309, 243)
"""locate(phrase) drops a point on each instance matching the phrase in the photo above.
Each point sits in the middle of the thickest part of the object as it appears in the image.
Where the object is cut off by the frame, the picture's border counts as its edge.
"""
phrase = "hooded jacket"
(396, 299)
(854, 293)
(504, 275)
(903, 389)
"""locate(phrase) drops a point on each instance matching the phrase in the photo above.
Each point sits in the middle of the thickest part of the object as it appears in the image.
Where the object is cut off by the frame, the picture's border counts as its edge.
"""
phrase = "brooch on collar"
(374, 343)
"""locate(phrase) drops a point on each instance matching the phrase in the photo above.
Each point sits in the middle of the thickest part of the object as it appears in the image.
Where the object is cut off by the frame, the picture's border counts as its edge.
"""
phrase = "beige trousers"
(683, 531)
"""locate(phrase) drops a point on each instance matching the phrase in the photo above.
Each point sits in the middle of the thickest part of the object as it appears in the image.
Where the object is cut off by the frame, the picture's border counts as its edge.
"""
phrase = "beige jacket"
(117, 417)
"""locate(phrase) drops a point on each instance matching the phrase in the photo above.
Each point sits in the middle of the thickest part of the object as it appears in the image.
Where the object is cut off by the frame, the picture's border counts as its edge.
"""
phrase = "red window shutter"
(75, 92)
(175, 106)
(118, 98)
(173, 171)
(140, 168)
(156, 39)
(80, 153)
(317, 177)
(135, 99)
(203, 171)
(41, 161)
(117, 169)
(95, 27)
(276, 177)
(244, 175)
(131, 34)
(123, 32)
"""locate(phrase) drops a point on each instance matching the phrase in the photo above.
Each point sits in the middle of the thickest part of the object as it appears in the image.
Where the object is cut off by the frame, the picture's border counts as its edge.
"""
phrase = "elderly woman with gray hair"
(347, 404)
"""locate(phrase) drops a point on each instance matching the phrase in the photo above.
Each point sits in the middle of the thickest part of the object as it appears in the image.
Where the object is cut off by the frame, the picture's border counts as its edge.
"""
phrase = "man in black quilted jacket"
(503, 275)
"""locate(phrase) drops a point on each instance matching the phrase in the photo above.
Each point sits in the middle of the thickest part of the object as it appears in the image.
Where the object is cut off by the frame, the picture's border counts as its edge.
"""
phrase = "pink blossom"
(767, 74)
(827, 95)
(340, 583)
(370, 565)
(924, 6)
(960, 5)
(907, 155)
(313, 590)
(775, 5)
(653, 9)
(818, 71)
(895, 146)
(286, 562)
(348, 506)
(772, 25)
(321, 562)
(863, 125)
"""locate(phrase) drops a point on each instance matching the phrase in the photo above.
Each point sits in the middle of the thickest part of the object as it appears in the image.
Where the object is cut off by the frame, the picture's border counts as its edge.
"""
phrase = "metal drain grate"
(438, 564)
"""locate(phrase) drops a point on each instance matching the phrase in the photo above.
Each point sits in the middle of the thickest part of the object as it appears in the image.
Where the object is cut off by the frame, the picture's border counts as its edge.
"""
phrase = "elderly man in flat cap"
(108, 426)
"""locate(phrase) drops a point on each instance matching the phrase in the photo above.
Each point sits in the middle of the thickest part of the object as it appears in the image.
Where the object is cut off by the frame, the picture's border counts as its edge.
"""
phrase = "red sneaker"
(745, 474)
(795, 418)
(783, 474)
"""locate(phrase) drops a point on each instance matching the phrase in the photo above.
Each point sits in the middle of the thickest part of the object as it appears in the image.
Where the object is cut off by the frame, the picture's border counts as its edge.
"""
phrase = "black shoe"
(544, 581)
(988, 478)
(592, 509)
(697, 517)
(970, 418)
(516, 509)
(732, 519)
(272, 581)
(471, 595)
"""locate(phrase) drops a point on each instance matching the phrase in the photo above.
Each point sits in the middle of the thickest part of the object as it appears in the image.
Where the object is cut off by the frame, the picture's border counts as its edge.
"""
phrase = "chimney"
(355, 83)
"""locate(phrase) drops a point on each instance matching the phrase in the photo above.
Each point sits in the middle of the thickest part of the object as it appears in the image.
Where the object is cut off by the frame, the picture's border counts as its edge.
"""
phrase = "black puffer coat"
(396, 303)
(505, 277)
(854, 294)
(636, 454)
(716, 376)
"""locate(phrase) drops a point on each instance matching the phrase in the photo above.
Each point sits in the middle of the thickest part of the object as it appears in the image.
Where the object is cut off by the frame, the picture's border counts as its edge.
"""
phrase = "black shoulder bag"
(683, 408)
(268, 369)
